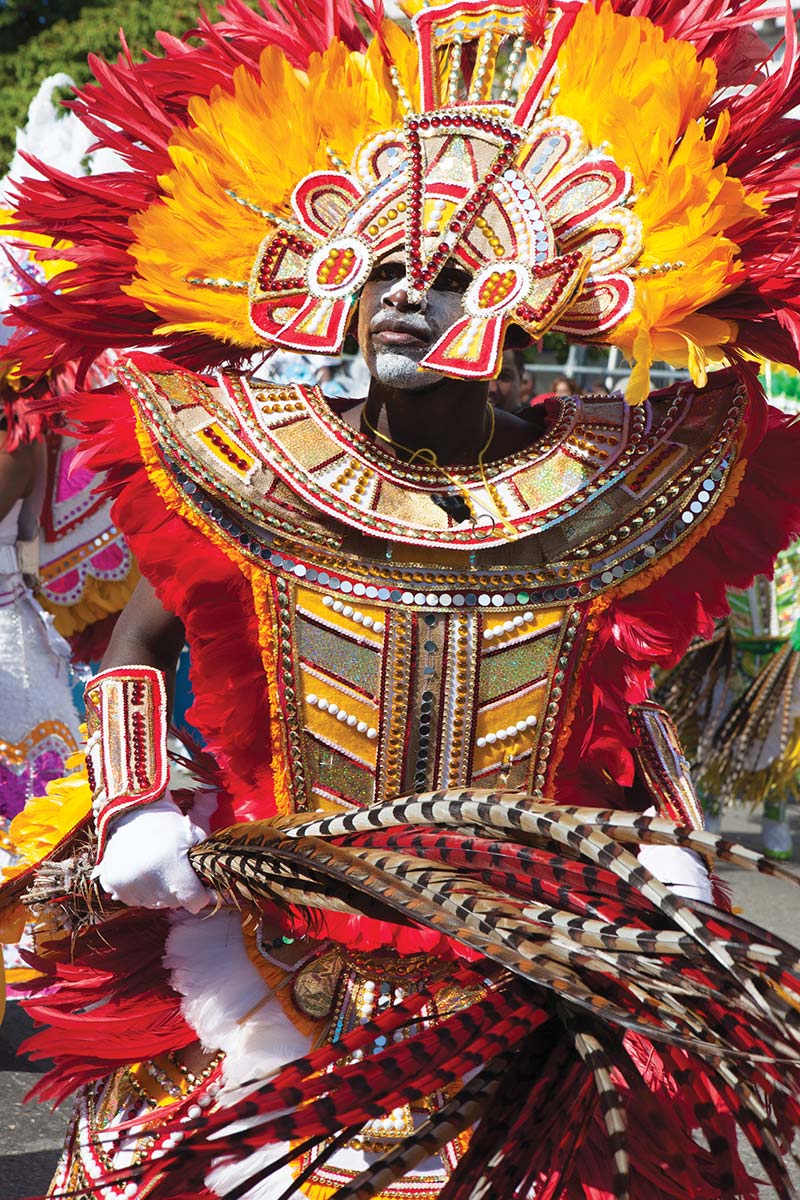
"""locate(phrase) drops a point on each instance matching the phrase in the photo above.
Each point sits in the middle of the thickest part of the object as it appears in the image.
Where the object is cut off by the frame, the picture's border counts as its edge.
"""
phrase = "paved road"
(30, 1135)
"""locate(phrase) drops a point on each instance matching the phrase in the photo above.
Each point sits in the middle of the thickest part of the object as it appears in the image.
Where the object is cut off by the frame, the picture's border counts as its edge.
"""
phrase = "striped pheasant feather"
(632, 1019)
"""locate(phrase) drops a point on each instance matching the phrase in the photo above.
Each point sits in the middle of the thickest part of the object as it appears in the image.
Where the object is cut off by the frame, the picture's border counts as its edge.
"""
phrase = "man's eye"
(451, 280)
(387, 272)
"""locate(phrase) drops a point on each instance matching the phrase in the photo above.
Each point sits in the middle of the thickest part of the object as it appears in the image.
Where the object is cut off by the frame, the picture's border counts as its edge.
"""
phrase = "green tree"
(40, 37)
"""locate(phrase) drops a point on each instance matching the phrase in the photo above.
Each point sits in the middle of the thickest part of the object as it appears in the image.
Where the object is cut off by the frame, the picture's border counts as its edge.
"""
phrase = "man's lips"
(400, 331)
(398, 337)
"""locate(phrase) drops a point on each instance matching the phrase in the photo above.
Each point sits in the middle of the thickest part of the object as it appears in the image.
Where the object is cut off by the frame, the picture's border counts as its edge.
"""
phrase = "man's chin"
(402, 371)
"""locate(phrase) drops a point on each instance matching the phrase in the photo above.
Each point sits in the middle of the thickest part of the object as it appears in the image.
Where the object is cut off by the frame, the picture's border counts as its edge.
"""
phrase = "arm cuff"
(126, 751)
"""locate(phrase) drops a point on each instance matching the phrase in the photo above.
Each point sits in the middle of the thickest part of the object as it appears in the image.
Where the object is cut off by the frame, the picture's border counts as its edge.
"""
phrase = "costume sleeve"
(201, 585)
(653, 626)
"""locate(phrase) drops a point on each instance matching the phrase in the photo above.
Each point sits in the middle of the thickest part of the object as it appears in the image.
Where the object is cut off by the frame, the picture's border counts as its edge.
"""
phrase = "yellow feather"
(643, 96)
(258, 141)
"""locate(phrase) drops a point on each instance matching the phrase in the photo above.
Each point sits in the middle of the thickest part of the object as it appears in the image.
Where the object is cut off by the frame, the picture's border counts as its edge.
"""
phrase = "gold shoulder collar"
(283, 460)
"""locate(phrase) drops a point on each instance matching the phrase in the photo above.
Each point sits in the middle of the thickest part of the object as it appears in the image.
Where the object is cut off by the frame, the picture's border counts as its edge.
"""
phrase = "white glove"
(682, 871)
(146, 864)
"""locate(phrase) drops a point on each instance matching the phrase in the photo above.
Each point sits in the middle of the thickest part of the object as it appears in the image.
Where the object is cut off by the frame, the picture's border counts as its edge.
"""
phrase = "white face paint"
(400, 370)
(395, 333)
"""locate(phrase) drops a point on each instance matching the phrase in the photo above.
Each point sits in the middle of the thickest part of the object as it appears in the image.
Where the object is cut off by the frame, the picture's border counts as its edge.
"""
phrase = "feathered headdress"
(622, 172)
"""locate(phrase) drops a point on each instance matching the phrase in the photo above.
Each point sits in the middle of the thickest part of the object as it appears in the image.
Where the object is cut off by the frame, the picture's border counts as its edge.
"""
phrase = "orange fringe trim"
(266, 617)
(596, 611)
(277, 981)
(174, 500)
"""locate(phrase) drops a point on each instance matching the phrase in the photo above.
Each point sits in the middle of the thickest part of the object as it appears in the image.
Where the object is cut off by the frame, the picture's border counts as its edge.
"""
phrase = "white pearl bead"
(379, 626)
(312, 697)
(531, 721)
(322, 703)
(341, 715)
(337, 606)
(327, 601)
(518, 620)
(372, 734)
(333, 709)
(347, 611)
(368, 622)
(501, 735)
(512, 731)
(521, 726)
(358, 618)
(204, 1101)
(527, 616)
(488, 634)
(351, 720)
(361, 727)
(481, 742)
(194, 1112)
(508, 626)
(491, 738)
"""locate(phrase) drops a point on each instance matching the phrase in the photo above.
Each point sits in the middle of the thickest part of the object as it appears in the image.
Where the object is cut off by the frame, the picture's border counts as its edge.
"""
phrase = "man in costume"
(505, 391)
(422, 631)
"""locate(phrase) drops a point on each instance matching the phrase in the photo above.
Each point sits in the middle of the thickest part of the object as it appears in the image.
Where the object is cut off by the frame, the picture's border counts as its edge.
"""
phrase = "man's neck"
(452, 420)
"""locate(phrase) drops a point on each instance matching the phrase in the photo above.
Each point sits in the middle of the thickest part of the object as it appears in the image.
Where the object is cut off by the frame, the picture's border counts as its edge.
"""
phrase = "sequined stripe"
(507, 733)
(459, 701)
(427, 708)
(511, 771)
(331, 796)
(539, 766)
(514, 693)
(356, 665)
(503, 631)
(395, 694)
(289, 687)
(354, 636)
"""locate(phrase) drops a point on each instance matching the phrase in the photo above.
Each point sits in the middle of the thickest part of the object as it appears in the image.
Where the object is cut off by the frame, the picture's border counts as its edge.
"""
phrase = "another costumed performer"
(442, 963)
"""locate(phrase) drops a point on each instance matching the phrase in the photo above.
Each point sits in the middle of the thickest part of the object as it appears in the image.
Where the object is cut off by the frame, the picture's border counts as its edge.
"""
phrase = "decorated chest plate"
(388, 699)
(409, 650)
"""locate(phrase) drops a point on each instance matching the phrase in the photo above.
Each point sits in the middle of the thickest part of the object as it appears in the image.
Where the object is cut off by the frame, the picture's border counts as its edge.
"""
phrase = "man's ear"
(352, 324)
(517, 338)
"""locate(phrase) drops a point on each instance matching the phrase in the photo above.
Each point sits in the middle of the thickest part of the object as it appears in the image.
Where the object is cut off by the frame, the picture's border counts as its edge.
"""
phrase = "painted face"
(394, 333)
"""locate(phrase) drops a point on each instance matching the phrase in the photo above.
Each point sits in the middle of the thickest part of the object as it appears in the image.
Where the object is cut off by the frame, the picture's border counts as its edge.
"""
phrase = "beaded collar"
(342, 473)
(648, 475)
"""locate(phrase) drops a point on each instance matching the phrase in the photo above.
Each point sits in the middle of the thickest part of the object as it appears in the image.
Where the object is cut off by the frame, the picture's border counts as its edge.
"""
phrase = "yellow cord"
(431, 460)
(490, 488)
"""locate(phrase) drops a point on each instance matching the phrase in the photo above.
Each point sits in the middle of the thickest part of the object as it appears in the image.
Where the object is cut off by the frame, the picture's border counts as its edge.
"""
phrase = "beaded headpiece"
(479, 173)
(617, 178)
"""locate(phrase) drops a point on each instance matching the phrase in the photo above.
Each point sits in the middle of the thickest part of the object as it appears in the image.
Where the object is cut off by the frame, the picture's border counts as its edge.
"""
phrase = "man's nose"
(400, 295)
